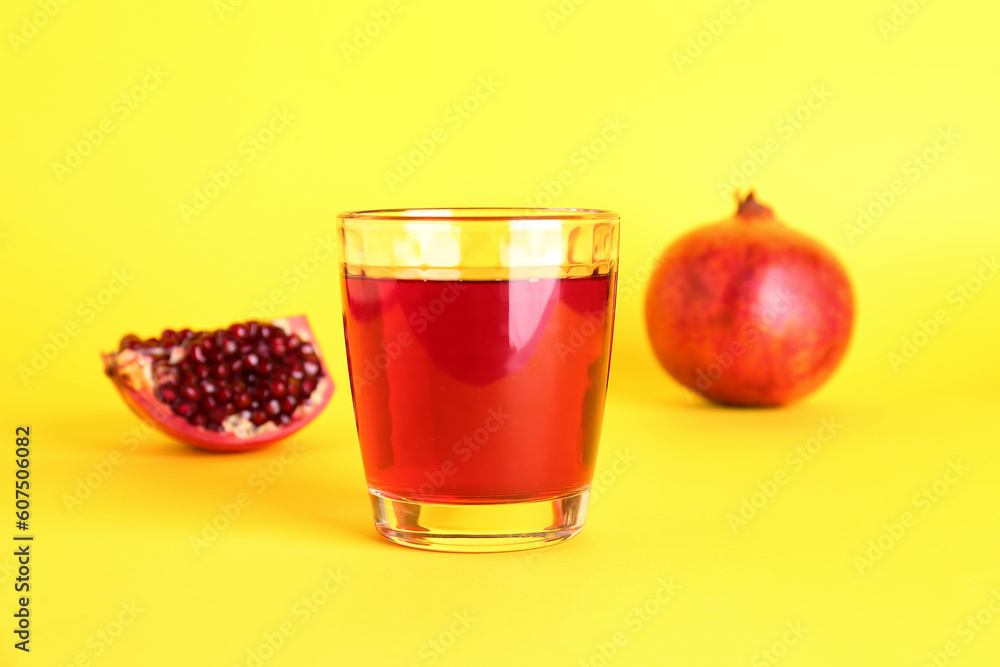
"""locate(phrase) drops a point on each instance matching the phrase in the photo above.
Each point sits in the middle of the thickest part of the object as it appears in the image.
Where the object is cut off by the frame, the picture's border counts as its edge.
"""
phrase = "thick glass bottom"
(479, 528)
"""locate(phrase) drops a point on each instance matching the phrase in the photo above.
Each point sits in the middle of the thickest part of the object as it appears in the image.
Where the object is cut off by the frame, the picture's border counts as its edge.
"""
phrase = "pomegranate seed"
(208, 387)
(278, 388)
(183, 377)
(307, 349)
(288, 404)
(209, 403)
(218, 415)
(273, 407)
(224, 394)
(294, 387)
(308, 386)
(252, 360)
(236, 366)
(185, 409)
(239, 330)
(266, 331)
(230, 347)
(253, 328)
(168, 393)
(185, 334)
(298, 371)
(311, 368)
(294, 343)
(266, 367)
(201, 371)
(284, 420)
(169, 338)
(258, 417)
(243, 400)
(198, 420)
(259, 392)
(221, 371)
(197, 353)
(190, 392)
(130, 342)
(278, 346)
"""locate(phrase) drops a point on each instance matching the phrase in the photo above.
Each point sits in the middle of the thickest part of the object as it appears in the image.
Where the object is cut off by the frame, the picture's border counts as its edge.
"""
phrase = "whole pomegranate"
(748, 311)
(227, 390)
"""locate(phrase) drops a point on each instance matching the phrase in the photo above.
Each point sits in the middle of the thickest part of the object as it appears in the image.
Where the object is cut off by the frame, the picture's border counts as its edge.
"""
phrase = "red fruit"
(748, 311)
(167, 383)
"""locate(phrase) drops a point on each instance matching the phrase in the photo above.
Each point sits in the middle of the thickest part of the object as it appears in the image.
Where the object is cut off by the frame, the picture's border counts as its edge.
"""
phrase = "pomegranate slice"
(228, 390)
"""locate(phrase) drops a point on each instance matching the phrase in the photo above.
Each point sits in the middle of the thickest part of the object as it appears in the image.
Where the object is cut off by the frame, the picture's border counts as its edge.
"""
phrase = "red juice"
(483, 392)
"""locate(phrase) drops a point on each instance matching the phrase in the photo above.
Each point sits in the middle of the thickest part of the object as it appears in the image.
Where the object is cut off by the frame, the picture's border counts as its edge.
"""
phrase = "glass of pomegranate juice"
(478, 344)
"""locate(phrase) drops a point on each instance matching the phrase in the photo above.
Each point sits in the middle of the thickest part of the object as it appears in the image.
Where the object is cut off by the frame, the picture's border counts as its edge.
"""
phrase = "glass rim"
(479, 214)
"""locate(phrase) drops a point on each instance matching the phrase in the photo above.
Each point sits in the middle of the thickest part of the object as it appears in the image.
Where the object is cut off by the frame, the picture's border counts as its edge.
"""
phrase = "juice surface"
(478, 391)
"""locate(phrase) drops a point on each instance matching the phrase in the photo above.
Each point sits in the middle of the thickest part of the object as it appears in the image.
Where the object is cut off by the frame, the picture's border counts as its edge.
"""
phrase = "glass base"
(484, 528)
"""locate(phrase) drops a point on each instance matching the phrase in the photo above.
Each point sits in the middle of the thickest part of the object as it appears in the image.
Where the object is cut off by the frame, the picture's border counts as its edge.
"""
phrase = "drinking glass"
(478, 346)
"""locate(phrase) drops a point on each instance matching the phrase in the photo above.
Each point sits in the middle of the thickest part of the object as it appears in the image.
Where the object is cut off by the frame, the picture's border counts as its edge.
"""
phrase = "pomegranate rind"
(152, 411)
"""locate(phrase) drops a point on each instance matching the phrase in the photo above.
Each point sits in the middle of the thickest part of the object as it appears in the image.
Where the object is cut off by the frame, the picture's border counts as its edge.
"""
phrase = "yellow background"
(556, 83)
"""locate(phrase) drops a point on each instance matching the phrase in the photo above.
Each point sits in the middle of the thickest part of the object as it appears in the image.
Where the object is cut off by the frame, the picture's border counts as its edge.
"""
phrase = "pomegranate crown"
(749, 208)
